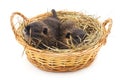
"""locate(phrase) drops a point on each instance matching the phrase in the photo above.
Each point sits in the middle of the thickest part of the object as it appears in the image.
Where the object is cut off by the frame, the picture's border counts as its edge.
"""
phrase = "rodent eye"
(68, 35)
(45, 30)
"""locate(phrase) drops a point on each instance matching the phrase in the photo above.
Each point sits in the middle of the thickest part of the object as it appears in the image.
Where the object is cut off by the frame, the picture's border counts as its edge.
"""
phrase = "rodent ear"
(45, 30)
(68, 35)
(27, 28)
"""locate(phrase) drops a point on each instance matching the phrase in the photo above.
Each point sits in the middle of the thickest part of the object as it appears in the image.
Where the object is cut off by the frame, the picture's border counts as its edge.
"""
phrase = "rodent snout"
(76, 36)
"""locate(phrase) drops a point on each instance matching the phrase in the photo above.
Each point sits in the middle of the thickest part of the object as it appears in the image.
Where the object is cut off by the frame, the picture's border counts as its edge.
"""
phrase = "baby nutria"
(70, 35)
(43, 34)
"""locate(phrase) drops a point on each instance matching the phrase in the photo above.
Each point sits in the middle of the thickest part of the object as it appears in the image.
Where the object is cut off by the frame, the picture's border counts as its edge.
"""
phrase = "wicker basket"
(71, 60)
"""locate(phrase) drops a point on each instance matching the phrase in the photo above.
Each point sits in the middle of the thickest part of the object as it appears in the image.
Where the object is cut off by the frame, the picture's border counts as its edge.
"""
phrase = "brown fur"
(43, 34)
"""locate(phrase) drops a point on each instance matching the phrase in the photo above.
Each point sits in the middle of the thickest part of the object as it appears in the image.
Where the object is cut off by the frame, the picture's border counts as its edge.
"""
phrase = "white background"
(14, 67)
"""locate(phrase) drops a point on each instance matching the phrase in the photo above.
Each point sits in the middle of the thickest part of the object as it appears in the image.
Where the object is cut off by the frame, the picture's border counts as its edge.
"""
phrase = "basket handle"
(12, 23)
(107, 28)
(107, 25)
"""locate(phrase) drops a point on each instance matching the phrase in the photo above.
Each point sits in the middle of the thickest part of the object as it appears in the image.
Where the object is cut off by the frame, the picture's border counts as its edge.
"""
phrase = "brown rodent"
(43, 34)
(70, 35)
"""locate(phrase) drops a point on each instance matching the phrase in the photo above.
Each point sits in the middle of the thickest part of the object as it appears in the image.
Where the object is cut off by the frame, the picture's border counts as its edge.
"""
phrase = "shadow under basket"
(63, 60)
